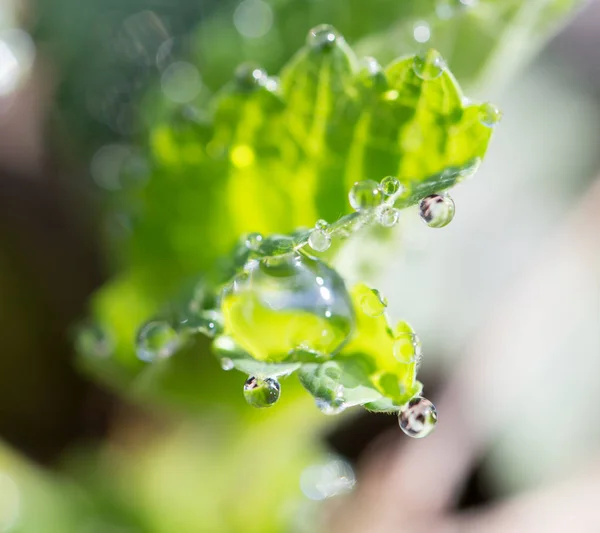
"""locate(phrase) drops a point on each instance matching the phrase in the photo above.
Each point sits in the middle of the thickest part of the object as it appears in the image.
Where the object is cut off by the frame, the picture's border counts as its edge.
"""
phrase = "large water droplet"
(365, 195)
(92, 340)
(260, 392)
(489, 115)
(323, 37)
(156, 340)
(372, 303)
(390, 185)
(429, 65)
(319, 239)
(437, 210)
(388, 216)
(208, 322)
(293, 301)
(418, 418)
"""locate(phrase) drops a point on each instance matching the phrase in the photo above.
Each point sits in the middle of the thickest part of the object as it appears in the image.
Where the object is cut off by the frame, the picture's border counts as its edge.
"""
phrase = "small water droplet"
(92, 340)
(253, 241)
(249, 76)
(407, 348)
(437, 210)
(260, 392)
(372, 303)
(364, 195)
(319, 240)
(421, 31)
(226, 364)
(323, 37)
(321, 224)
(156, 340)
(272, 84)
(208, 322)
(418, 418)
(446, 9)
(333, 405)
(372, 74)
(429, 65)
(388, 216)
(489, 115)
(390, 185)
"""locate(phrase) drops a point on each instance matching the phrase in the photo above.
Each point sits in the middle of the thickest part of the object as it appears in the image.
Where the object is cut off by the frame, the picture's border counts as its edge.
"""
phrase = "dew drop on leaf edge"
(418, 418)
(437, 210)
(390, 185)
(388, 216)
(319, 241)
(429, 65)
(261, 392)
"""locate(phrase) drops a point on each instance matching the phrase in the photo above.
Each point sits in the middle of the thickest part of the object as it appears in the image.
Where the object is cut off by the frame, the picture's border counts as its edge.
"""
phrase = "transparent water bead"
(418, 418)
(390, 185)
(227, 364)
(437, 210)
(319, 240)
(249, 76)
(333, 404)
(429, 65)
(92, 340)
(260, 392)
(322, 37)
(253, 241)
(372, 74)
(446, 9)
(322, 481)
(388, 216)
(365, 195)
(280, 304)
(207, 322)
(373, 304)
(156, 340)
(489, 115)
(407, 348)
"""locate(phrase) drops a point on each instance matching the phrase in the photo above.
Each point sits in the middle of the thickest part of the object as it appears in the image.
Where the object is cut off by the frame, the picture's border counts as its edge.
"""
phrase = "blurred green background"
(86, 89)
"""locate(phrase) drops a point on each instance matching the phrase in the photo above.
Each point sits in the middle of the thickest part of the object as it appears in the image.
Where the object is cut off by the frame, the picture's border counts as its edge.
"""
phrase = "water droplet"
(253, 241)
(299, 297)
(418, 418)
(319, 482)
(156, 340)
(321, 224)
(437, 210)
(226, 364)
(489, 115)
(390, 185)
(407, 348)
(388, 216)
(429, 65)
(421, 31)
(319, 240)
(260, 392)
(323, 37)
(365, 195)
(372, 303)
(208, 322)
(249, 76)
(372, 74)
(92, 340)
(446, 9)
